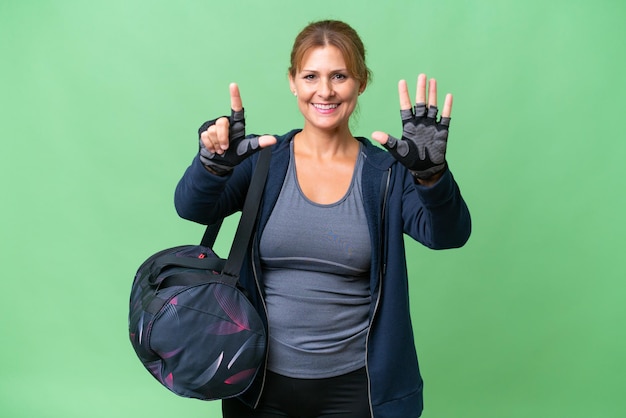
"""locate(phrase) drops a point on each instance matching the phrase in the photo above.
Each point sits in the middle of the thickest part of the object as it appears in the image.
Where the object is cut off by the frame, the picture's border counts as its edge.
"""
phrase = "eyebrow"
(316, 71)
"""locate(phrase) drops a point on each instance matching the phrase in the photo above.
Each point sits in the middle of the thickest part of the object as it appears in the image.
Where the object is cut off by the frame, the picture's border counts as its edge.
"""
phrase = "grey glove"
(240, 147)
(422, 148)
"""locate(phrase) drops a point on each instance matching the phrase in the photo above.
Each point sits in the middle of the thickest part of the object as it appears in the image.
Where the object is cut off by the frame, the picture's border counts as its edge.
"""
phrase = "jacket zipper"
(381, 272)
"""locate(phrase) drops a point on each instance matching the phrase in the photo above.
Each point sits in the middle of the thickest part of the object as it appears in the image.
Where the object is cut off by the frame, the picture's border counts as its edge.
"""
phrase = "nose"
(325, 89)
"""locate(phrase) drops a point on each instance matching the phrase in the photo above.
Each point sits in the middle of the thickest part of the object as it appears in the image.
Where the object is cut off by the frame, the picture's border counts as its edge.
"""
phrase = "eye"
(309, 76)
(340, 76)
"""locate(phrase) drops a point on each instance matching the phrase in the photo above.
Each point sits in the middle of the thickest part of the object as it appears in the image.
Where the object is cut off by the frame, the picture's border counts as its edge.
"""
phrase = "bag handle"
(232, 268)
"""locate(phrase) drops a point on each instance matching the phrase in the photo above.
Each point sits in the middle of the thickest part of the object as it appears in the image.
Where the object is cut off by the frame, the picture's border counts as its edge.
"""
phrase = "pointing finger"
(380, 137)
(403, 93)
(432, 92)
(420, 95)
(235, 98)
(266, 140)
(447, 107)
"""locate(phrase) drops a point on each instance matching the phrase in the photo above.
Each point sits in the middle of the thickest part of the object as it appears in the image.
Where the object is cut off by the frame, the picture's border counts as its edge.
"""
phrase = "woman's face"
(327, 93)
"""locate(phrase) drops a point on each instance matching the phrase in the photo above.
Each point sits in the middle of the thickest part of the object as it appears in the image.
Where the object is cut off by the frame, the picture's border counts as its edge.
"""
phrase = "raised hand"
(422, 148)
(223, 141)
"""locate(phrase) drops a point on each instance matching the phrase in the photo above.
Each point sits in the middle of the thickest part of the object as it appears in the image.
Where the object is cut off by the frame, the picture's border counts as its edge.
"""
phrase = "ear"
(292, 85)
(362, 88)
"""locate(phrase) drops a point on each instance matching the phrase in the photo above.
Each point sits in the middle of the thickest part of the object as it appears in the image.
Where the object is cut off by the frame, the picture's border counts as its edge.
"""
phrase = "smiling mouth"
(325, 106)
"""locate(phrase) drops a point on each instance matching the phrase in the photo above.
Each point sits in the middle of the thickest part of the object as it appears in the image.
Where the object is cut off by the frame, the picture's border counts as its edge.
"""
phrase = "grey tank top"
(316, 260)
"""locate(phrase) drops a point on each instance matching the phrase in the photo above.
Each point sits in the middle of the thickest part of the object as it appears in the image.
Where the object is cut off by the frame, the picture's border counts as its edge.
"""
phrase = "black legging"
(341, 396)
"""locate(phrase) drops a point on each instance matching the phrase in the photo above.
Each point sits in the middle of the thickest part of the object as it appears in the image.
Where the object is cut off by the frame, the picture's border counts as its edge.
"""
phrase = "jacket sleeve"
(204, 198)
(437, 216)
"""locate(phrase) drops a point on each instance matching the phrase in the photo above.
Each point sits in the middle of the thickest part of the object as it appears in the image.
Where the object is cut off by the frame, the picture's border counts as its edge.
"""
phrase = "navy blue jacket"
(395, 205)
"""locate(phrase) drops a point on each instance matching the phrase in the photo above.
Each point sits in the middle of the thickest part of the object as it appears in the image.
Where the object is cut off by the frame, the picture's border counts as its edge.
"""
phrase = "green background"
(99, 106)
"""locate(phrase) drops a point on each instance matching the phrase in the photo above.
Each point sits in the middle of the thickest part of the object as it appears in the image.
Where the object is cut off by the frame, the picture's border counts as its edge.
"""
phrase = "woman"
(327, 268)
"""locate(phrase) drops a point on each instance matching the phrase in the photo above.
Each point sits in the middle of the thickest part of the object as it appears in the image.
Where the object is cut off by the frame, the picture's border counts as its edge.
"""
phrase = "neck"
(325, 143)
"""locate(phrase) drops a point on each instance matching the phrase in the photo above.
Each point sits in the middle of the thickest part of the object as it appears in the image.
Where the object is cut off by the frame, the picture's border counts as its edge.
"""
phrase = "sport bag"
(191, 325)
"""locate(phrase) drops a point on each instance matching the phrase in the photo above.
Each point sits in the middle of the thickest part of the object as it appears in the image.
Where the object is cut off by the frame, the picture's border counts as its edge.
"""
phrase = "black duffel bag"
(190, 324)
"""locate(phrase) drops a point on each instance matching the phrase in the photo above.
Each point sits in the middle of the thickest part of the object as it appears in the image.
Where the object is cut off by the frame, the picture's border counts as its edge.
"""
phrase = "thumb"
(380, 137)
(266, 140)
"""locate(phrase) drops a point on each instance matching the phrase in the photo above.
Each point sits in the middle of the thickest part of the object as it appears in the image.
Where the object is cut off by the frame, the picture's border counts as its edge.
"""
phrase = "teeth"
(325, 106)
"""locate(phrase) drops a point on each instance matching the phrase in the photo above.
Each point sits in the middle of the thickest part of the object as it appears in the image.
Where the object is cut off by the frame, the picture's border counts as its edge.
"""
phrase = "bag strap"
(230, 273)
(210, 233)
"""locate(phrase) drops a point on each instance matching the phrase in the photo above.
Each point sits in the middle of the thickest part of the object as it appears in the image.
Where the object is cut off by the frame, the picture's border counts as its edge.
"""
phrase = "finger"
(266, 141)
(206, 141)
(403, 93)
(420, 94)
(211, 143)
(235, 98)
(447, 107)
(380, 137)
(221, 130)
(432, 92)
